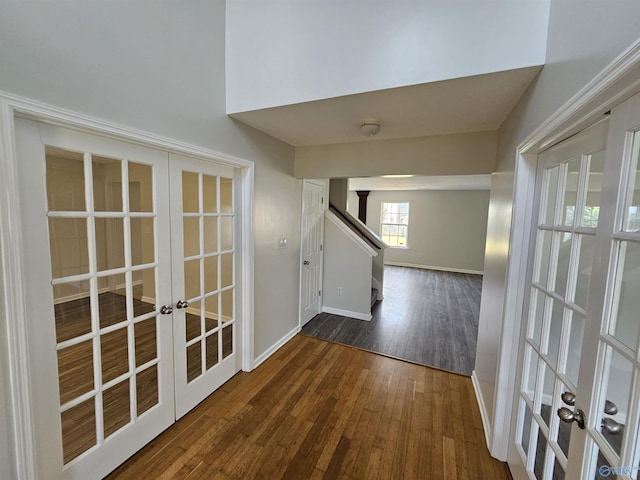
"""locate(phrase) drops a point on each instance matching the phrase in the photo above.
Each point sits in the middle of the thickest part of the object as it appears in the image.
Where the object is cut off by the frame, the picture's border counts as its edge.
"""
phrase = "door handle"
(166, 310)
(306, 262)
(568, 416)
(182, 304)
(568, 398)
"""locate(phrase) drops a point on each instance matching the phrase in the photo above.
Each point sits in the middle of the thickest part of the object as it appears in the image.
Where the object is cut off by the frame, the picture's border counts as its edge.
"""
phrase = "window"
(394, 224)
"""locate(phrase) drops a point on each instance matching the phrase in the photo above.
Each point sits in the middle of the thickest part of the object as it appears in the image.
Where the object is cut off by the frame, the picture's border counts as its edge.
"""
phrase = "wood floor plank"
(325, 411)
(427, 316)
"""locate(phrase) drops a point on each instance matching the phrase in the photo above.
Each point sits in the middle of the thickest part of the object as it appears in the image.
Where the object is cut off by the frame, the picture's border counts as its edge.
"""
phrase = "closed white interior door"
(133, 311)
(579, 395)
(312, 235)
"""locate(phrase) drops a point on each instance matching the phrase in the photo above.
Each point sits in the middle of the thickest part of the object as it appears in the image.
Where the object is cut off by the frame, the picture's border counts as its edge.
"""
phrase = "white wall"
(447, 228)
(583, 39)
(348, 267)
(287, 51)
(460, 154)
(159, 66)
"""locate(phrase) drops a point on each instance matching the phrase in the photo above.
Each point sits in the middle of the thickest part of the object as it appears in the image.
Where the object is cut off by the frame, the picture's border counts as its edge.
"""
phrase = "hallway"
(317, 410)
(427, 317)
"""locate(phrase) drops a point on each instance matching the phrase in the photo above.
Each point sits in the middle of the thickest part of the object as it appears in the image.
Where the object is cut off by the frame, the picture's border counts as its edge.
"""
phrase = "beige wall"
(447, 229)
(463, 154)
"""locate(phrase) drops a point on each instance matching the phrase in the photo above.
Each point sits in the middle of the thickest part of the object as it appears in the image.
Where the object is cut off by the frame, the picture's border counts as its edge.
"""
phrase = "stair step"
(374, 296)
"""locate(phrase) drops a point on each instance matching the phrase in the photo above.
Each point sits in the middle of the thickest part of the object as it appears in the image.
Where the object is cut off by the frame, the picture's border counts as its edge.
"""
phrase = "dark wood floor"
(318, 410)
(427, 316)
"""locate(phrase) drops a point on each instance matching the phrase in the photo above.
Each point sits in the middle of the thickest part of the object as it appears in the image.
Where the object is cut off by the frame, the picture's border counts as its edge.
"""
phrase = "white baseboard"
(347, 313)
(486, 426)
(433, 267)
(275, 347)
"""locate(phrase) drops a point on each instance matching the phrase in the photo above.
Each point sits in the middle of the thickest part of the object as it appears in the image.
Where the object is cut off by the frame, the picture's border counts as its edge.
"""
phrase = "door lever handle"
(306, 262)
(166, 309)
(182, 304)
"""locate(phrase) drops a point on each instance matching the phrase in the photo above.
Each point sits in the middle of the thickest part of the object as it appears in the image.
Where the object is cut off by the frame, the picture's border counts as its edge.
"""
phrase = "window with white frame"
(394, 224)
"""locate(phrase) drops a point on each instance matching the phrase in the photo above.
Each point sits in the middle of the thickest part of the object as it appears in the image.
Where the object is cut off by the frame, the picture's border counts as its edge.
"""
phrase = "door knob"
(568, 416)
(182, 304)
(306, 262)
(568, 398)
(166, 310)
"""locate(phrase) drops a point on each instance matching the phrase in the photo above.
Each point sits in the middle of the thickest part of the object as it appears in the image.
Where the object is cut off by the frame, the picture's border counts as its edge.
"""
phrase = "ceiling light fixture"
(369, 127)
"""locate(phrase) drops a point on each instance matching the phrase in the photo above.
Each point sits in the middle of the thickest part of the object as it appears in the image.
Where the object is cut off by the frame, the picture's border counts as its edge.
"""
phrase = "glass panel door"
(581, 351)
(93, 214)
(204, 232)
(561, 266)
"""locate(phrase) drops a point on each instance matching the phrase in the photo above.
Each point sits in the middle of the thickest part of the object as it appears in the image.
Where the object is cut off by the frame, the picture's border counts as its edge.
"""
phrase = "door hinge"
(320, 247)
(319, 293)
(322, 200)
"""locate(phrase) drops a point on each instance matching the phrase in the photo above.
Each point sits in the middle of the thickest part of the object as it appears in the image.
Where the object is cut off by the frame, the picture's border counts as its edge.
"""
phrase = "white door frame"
(325, 195)
(12, 328)
(614, 84)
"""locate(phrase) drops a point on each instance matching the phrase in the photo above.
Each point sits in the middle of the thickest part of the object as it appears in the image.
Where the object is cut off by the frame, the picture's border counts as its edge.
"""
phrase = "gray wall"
(158, 66)
(447, 229)
(583, 39)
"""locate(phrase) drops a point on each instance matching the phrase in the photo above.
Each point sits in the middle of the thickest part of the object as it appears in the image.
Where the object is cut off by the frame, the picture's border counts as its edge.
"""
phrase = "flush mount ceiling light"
(369, 127)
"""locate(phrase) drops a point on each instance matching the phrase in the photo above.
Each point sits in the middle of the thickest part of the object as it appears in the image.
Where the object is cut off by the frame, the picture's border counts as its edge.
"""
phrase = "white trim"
(484, 414)
(376, 284)
(247, 248)
(333, 218)
(606, 90)
(12, 255)
(433, 267)
(347, 313)
(12, 251)
(275, 347)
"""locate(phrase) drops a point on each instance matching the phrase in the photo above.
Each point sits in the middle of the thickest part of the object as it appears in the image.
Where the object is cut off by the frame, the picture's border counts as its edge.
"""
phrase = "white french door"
(578, 409)
(114, 356)
(204, 229)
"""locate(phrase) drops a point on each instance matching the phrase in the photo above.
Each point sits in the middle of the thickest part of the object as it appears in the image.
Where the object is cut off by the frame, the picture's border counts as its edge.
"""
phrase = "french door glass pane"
(536, 314)
(555, 329)
(543, 257)
(625, 325)
(562, 268)
(65, 181)
(632, 213)
(107, 184)
(140, 187)
(571, 192)
(574, 352)
(73, 319)
(584, 269)
(550, 188)
(68, 242)
(142, 240)
(591, 212)
(548, 385)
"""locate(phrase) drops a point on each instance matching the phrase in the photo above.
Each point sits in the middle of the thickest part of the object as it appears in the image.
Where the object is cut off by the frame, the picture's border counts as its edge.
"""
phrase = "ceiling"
(469, 104)
(416, 182)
